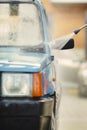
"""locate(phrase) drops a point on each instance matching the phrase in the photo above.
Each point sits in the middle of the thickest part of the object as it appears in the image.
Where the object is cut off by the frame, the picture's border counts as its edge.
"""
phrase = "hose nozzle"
(78, 30)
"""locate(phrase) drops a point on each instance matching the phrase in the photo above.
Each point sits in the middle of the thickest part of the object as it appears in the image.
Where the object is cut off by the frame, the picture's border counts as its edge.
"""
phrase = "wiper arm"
(37, 48)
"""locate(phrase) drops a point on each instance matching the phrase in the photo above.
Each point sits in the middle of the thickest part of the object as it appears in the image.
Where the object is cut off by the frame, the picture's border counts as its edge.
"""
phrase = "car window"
(20, 25)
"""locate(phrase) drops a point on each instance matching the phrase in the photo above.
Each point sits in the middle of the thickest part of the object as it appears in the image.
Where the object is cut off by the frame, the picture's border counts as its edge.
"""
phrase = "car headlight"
(16, 84)
(22, 84)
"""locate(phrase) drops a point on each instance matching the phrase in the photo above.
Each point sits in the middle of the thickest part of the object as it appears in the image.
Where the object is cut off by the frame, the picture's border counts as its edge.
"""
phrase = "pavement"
(72, 111)
(73, 108)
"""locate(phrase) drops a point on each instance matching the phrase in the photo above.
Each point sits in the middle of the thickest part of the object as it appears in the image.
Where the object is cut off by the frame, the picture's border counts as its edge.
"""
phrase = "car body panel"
(34, 113)
(23, 62)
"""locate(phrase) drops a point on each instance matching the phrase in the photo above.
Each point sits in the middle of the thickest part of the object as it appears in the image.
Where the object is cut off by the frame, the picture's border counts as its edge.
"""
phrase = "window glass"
(20, 25)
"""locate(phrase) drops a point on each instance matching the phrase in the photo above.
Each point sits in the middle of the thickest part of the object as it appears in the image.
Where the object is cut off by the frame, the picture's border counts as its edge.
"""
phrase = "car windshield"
(20, 25)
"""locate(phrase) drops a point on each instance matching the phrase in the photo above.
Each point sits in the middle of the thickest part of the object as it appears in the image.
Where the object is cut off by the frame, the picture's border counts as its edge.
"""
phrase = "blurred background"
(64, 16)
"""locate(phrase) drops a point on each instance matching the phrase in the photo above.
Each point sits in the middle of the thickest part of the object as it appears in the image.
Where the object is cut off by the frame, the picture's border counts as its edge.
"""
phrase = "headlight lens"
(16, 84)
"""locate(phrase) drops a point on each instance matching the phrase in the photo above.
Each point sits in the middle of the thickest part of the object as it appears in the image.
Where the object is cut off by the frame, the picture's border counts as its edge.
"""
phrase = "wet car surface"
(27, 89)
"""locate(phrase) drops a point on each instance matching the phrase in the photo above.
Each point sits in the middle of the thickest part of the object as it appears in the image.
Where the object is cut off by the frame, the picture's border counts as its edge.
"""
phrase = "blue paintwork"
(23, 62)
(14, 60)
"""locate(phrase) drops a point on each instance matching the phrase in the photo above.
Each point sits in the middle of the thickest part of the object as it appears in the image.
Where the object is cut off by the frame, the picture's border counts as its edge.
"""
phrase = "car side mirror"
(69, 45)
(67, 41)
(62, 43)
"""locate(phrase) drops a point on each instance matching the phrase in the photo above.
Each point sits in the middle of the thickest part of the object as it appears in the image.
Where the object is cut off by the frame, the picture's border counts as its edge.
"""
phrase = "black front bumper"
(26, 114)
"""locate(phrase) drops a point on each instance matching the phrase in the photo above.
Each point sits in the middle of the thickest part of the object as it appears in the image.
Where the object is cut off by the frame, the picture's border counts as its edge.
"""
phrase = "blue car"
(27, 72)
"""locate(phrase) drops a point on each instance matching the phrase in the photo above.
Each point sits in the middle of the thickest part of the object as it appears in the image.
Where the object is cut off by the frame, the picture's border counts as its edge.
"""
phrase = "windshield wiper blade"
(37, 48)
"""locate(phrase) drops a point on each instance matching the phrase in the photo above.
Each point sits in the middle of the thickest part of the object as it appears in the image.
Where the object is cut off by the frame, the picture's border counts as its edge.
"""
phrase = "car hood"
(23, 62)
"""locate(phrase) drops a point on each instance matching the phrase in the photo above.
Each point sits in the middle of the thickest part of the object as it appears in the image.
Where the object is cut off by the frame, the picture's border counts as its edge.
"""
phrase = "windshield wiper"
(38, 48)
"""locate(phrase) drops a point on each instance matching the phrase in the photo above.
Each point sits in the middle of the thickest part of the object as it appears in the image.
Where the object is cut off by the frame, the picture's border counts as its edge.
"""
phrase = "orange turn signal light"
(37, 85)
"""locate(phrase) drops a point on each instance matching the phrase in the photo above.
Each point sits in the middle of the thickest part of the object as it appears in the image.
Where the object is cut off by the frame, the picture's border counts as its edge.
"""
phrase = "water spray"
(61, 42)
